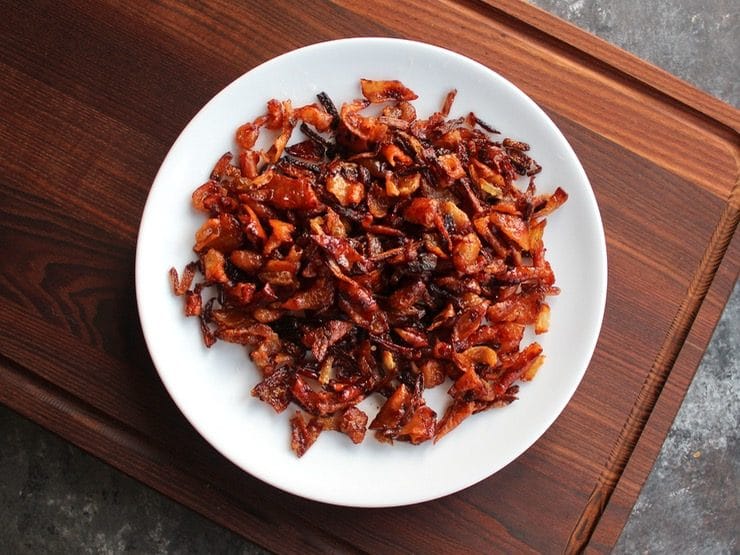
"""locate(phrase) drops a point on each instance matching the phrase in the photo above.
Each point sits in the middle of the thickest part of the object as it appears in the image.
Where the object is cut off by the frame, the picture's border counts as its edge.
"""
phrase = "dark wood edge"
(656, 378)
(600, 51)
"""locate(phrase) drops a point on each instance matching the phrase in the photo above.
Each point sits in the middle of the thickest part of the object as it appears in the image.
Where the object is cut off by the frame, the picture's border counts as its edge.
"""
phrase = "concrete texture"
(56, 499)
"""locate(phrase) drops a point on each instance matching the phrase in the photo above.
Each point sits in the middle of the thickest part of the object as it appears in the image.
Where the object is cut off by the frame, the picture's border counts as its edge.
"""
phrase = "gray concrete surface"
(56, 499)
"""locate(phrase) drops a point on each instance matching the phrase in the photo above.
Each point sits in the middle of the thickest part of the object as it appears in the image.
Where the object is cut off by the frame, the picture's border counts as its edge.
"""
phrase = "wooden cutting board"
(92, 96)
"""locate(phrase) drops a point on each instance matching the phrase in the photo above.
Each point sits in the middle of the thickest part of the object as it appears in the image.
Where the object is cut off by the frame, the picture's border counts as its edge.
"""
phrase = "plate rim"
(544, 424)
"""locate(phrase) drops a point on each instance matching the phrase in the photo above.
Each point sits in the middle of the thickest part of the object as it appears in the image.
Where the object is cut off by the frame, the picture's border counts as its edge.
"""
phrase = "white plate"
(212, 386)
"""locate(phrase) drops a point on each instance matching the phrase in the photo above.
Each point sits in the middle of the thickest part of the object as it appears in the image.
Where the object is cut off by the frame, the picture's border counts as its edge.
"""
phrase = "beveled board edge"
(646, 451)
(656, 378)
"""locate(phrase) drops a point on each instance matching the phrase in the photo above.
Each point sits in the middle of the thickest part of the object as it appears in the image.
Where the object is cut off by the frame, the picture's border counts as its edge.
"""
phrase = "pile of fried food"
(382, 254)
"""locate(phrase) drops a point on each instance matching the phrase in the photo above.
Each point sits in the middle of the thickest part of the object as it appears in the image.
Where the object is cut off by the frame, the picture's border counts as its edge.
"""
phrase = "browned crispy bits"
(378, 256)
(384, 91)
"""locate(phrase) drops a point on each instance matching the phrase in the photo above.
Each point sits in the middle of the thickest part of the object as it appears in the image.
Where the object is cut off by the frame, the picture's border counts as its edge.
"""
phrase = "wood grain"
(93, 94)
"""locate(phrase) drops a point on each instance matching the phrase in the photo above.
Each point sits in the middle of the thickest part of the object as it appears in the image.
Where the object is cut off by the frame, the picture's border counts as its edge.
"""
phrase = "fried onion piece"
(222, 233)
(423, 211)
(317, 296)
(303, 434)
(343, 182)
(246, 135)
(193, 302)
(282, 233)
(275, 390)
(433, 371)
(513, 227)
(214, 267)
(383, 91)
(522, 308)
(321, 338)
(420, 427)
(351, 421)
(316, 115)
(357, 133)
(517, 364)
(447, 105)
(393, 410)
(553, 202)
(324, 403)
(290, 193)
(456, 413)
(180, 286)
